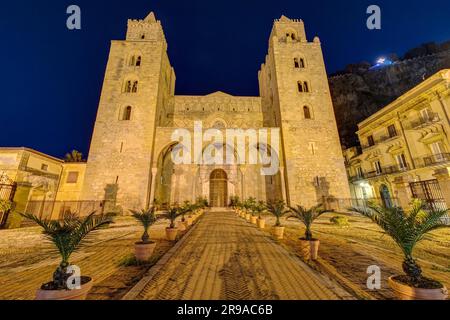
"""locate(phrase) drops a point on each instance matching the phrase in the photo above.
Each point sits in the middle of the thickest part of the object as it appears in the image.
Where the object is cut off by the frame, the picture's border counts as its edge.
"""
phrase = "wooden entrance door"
(218, 189)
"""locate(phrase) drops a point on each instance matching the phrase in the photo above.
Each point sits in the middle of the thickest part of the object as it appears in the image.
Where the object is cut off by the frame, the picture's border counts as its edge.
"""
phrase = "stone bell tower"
(138, 81)
(296, 97)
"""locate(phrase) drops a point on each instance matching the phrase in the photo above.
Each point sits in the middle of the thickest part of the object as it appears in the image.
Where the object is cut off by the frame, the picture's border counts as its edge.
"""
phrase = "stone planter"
(405, 292)
(309, 249)
(278, 232)
(144, 251)
(261, 223)
(254, 220)
(181, 226)
(171, 234)
(77, 294)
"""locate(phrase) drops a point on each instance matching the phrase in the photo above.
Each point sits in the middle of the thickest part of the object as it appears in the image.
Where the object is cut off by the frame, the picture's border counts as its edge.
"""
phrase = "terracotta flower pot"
(189, 221)
(171, 234)
(77, 294)
(144, 251)
(278, 232)
(261, 223)
(254, 220)
(181, 226)
(309, 249)
(405, 292)
(248, 217)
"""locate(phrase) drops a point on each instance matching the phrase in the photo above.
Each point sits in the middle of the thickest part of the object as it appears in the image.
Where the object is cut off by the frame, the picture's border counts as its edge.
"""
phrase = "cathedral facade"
(131, 155)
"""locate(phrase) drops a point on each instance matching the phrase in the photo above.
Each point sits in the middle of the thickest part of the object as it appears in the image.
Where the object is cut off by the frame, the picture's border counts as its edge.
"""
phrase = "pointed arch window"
(303, 86)
(126, 116)
(138, 61)
(307, 112)
(134, 89)
(299, 63)
(128, 86)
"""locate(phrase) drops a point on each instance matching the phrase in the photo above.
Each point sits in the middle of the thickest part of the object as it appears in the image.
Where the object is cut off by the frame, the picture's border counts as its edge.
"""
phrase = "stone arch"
(166, 168)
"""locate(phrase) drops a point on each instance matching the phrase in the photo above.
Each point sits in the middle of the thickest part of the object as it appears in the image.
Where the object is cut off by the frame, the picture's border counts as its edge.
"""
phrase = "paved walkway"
(226, 258)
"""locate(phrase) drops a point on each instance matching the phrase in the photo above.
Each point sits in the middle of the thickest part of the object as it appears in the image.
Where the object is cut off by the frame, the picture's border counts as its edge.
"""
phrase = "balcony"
(381, 140)
(432, 160)
(421, 122)
(387, 170)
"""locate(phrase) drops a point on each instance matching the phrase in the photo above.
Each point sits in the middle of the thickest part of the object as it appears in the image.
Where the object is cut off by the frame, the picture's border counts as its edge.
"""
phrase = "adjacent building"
(405, 148)
(39, 183)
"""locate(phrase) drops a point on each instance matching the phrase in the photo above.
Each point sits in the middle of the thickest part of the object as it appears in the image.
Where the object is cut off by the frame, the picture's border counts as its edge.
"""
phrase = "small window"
(72, 177)
(377, 167)
(138, 61)
(359, 172)
(392, 131)
(370, 141)
(302, 63)
(134, 89)
(401, 161)
(299, 63)
(303, 86)
(127, 113)
(307, 112)
(143, 36)
(128, 86)
(44, 167)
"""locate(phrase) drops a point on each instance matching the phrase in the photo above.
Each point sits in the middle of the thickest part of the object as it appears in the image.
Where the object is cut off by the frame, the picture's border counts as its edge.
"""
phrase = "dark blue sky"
(51, 77)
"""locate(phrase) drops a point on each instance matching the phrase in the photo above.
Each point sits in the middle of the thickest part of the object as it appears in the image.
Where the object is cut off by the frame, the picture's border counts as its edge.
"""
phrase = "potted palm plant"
(309, 246)
(254, 212)
(144, 248)
(188, 209)
(68, 235)
(249, 203)
(172, 231)
(407, 229)
(278, 209)
(260, 208)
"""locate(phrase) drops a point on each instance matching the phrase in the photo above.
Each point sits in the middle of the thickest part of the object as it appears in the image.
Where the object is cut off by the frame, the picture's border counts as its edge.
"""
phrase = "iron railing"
(432, 160)
(387, 170)
(423, 121)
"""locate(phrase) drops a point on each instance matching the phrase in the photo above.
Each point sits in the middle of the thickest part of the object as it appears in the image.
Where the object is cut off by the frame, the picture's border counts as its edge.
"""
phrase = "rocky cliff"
(361, 90)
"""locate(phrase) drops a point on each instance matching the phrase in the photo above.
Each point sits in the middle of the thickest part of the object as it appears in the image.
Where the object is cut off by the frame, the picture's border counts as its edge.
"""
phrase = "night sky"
(52, 77)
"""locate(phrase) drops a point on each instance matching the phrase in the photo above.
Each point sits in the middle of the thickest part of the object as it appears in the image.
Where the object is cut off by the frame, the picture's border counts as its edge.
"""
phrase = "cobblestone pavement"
(26, 259)
(226, 258)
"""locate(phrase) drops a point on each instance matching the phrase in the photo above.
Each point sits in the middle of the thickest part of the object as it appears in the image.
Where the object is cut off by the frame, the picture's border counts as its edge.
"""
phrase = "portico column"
(153, 186)
(283, 185)
(443, 178)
